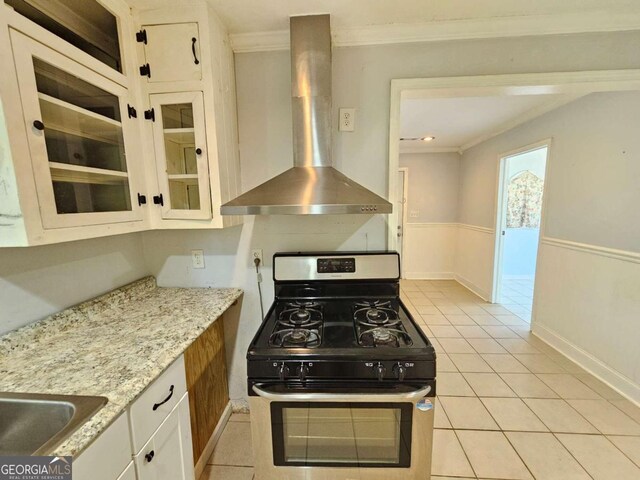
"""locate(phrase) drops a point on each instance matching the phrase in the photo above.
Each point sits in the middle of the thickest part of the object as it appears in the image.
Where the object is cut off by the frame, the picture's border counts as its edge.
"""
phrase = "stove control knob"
(303, 371)
(283, 371)
(380, 371)
(400, 371)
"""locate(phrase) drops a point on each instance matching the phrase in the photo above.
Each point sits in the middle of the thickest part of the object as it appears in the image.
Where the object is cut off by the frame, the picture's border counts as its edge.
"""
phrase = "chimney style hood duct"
(312, 186)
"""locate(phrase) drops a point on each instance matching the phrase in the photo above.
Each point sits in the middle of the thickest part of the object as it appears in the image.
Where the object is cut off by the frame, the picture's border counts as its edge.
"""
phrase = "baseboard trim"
(211, 444)
(429, 275)
(625, 255)
(621, 384)
(469, 285)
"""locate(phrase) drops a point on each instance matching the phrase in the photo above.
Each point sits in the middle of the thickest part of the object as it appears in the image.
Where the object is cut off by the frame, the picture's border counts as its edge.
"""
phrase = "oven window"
(342, 434)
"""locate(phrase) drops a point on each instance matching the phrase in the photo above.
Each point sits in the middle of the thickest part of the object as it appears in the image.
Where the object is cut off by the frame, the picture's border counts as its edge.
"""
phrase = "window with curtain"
(524, 201)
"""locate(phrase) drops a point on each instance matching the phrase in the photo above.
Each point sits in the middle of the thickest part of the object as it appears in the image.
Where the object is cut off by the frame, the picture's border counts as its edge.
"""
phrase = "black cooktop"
(338, 322)
(339, 327)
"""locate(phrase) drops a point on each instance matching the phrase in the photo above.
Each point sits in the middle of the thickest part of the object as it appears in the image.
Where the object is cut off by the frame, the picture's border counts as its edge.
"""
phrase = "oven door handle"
(340, 397)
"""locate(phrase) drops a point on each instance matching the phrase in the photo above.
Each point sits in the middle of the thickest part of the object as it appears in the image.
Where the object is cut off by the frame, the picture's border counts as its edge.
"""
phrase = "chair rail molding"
(625, 255)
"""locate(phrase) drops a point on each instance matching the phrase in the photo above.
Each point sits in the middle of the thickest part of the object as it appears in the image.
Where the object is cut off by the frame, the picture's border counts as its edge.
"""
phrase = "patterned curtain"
(524, 201)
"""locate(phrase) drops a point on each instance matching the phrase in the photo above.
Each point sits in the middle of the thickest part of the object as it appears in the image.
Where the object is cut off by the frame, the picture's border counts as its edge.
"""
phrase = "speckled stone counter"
(113, 346)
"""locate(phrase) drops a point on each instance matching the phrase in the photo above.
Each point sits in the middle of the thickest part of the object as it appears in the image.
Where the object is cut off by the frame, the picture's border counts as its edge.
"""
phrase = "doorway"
(400, 203)
(519, 218)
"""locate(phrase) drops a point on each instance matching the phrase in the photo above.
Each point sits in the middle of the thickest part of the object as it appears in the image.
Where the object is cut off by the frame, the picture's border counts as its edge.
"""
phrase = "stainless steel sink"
(33, 424)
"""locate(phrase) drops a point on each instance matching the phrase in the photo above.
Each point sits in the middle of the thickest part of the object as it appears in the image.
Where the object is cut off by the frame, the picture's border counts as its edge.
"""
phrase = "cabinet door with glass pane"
(181, 155)
(78, 137)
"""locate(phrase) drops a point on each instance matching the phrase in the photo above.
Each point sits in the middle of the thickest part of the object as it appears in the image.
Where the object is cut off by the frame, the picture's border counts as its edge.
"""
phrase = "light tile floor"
(510, 408)
(517, 296)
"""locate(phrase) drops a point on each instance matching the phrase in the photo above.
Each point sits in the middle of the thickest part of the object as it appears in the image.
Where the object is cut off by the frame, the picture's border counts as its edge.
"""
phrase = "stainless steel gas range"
(341, 380)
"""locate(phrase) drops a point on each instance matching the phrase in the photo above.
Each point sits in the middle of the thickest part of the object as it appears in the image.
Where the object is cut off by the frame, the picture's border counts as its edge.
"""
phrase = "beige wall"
(433, 186)
(587, 298)
(594, 156)
(38, 281)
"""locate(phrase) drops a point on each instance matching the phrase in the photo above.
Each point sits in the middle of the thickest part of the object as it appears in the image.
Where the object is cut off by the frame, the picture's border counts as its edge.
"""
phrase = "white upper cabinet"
(180, 143)
(172, 52)
(71, 161)
(76, 123)
(191, 127)
(90, 144)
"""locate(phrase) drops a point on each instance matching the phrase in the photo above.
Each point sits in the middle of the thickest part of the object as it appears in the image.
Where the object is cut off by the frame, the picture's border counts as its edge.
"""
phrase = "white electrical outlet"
(257, 253)
(414, 213)
(197, 258)
(347, 119)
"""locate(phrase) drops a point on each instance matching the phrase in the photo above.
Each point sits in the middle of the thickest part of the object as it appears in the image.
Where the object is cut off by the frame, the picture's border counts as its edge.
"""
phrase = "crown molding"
(427, 149)
(260, 41)
(496, 27)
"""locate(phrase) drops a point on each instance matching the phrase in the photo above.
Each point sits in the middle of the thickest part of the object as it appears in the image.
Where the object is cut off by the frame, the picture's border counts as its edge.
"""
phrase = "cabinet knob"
(38, 125)
(198, 151)
(149, 456)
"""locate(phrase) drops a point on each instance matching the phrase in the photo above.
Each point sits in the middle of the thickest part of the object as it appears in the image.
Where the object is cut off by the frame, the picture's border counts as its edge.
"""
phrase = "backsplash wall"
(38, 281)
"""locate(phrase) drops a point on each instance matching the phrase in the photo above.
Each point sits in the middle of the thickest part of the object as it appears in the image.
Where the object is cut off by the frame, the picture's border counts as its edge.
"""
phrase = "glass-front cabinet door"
(181, 155)
(75, 121)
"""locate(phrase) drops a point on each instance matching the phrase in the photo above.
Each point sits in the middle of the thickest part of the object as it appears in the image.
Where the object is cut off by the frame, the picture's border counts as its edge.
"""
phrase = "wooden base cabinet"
(168, 454)
(206, 369)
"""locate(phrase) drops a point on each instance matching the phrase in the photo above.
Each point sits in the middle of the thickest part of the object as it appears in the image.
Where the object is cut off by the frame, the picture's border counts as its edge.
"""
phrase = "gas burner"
(372, 313)
(383, 337)
(295, 337)
(301, 315)
(299, 325)
(375, 312)
(378, 324)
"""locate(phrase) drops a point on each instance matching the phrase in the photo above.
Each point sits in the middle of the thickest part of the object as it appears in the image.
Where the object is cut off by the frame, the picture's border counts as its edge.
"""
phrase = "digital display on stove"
(336, 265)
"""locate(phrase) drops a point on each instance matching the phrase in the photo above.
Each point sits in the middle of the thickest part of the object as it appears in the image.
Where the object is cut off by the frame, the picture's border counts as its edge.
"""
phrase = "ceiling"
(244, 16)
(459, 123)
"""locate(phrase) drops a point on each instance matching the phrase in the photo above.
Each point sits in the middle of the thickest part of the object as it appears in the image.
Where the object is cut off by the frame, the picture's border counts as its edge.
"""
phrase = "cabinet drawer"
(156, 402)
(107, 456)
(129, 473)
(168, 455)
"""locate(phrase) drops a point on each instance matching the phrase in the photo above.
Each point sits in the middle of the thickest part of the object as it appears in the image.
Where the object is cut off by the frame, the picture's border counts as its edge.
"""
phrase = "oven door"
(354, 432)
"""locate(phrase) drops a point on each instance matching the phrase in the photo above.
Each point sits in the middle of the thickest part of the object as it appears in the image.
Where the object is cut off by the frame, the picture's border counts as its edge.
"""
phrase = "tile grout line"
(545, 355)
(570, 453)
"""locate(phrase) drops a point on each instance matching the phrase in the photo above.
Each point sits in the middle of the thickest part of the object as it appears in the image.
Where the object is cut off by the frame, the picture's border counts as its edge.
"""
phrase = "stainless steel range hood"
(312, 186)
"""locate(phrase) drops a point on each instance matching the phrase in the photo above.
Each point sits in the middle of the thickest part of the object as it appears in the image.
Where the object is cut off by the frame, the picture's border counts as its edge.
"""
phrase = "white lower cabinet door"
(107, 456)
(168, 455)
(129, 473)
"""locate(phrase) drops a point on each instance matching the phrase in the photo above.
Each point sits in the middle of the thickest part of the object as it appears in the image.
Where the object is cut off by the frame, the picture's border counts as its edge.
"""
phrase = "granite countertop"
(113, 346)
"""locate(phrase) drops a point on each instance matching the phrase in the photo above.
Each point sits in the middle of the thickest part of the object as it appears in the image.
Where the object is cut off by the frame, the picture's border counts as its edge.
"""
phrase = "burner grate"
(378, 325)
(299, 325)
(295, 337)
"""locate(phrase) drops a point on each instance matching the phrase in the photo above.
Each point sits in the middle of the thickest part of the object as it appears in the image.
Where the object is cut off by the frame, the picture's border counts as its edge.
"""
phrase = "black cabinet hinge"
(145, 70)
(142, 199)
(141, 36)
(150, 115)
(158, 200)
(131, 111)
